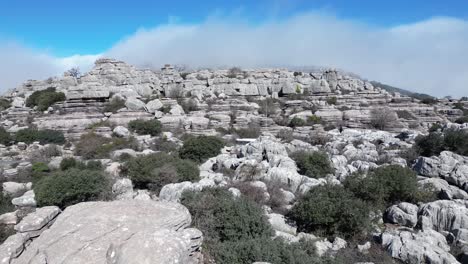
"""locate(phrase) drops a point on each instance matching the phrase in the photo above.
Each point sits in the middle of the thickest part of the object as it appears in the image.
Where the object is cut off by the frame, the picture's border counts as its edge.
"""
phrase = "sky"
(417, 45)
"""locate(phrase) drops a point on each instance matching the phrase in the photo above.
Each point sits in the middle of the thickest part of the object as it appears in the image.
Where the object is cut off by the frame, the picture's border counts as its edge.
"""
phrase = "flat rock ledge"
(117, 232)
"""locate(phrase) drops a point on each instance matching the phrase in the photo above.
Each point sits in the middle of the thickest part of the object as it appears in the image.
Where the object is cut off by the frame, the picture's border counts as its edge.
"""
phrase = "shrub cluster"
(114, 105)
(313, 164)
(65, 188)
(344, 209)
(236, 231)
(330, 210)
(4, 104)
(387, 185)
(435, 142)
(251, 131)
(93, 146)
(156, 170)
(145, 127)
(44, 98)
(72, 163)
(5, 137)
(268, 107)
(200, 148)
(46, 136)
(310, 121)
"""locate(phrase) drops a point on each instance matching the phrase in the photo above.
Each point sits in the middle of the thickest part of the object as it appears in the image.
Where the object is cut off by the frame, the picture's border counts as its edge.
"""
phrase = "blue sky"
(88, 27)
(418, 45)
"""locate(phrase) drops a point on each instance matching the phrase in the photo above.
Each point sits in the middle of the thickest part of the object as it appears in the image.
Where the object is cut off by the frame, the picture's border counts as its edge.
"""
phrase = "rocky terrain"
(123, 165)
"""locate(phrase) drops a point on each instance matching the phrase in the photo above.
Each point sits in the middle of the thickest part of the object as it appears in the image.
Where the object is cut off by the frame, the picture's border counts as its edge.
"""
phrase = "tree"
(74, 72)
(330, 210)
(382, 118)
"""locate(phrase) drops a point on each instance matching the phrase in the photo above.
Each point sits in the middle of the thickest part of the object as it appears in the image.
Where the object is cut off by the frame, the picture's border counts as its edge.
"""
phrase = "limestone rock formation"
(117, 232)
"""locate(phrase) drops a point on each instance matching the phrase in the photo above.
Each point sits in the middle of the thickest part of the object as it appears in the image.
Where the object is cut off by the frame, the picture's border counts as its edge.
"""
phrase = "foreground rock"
(117, 232)
(417, 247)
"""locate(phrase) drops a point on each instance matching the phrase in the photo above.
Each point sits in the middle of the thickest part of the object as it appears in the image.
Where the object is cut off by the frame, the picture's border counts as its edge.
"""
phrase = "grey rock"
(116, 232)
(121, 131)
(417, 247)
(444, 215)
(14, 189)
(26, 200)
(135, 104)
(404, 214)
(9, 218)
(38, 219)
(154, 105)
(123, 189)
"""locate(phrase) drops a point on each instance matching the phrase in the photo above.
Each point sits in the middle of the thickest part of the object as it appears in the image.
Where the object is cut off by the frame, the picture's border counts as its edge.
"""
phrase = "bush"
(199, 149)
(5, 137)
(382, 118)
(252, 131)
(236, 231)
(45, 154)
(268, 107)
(435, 142)
(47, 136)
(39, 170)
(114, 105)
(332, 100)
(164, 145)
(93, 146)
(386, 185)
(286, 135)
(188, 105)
(330, 210)
(145, 127)
(462, 120)
(313, 164)
(70, 187)
(4, 104)
(156, 170)
(429, 100)
(234, 72)
(44, 99)
(297, 122)
(5, 204)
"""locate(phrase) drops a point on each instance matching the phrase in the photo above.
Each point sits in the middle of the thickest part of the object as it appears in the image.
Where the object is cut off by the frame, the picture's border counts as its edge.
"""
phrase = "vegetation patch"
(145, 127)
(46, 136)
(156, 170)
(313, 164)
(201, 148)
(65, 188)
(44, 99)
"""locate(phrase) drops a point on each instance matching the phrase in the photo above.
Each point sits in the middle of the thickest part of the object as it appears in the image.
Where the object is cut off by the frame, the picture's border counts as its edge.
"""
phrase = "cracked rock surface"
(108, 232)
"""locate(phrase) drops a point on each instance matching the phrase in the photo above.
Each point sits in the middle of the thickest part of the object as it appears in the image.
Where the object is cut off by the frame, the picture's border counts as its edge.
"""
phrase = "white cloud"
(19, 63)
(429, 56)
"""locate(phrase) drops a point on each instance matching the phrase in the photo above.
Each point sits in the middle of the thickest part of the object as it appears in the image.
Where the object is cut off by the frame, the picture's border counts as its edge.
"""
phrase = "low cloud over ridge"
(429, 56)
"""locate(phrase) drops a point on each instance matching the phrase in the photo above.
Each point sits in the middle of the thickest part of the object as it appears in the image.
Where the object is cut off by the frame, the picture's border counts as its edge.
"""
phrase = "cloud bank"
(429, 56)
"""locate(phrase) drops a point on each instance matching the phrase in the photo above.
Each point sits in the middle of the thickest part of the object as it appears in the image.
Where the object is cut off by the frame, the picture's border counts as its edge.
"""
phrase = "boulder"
(14, 189)
(26, 200)
(134, 104)
(154, 105)
(404, 214)
(117, 232)
(415, 247)
(444, 215)
(121, 131)
(37, 220)
(123, 189)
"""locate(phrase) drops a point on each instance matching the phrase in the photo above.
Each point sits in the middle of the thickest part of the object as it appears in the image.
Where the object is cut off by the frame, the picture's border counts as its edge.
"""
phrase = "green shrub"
(44, 99)
(5, 204)
(435, 142)
(159, 169)
(93, 146)
(5, 137)
(70, 187)
(4, 104)
(114, 105)
(429, 100)
(5, 232)
(313, 164)
(39, 170)
(251, 131)
(164, 145)
(387, 185)
(188, 105)
(47, 136)
(145, 127)
(330, 210)
(236, 231)
(199, 149)
(462, 120)
(70, 163)
(435, 127)
(332, 100)
(297, 122)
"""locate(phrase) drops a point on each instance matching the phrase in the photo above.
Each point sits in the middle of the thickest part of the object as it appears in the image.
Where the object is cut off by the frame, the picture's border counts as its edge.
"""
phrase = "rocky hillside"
(122, 165)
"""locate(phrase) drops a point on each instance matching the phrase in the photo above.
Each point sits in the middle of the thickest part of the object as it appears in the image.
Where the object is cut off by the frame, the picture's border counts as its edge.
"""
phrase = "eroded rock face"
(117, 232)
(415, 247)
